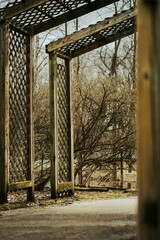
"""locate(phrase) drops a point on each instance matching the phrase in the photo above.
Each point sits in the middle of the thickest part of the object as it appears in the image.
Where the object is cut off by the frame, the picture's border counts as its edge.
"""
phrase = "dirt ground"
(96, 216)
(17, 199)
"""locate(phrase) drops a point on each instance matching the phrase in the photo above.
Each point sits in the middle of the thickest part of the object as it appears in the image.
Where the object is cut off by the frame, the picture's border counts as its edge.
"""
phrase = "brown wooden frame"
(5, 185)
(54, 21)
(4, 110)
(54, 51)
(7, 17)
(94, 30)
(59, 188)
(148, 135)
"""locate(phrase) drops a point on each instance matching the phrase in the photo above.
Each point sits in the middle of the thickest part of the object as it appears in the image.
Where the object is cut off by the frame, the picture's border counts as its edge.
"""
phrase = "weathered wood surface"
(30, 190)
(4, 111)
(53, 122)
(29, 4)
(22, 7)
(148, 122)
(69, 12)
(92, 189)
(57, 187)
(22, 185)
(70, 15)
(65, 186)
(91, 30)
(102, 42)
(70, 123)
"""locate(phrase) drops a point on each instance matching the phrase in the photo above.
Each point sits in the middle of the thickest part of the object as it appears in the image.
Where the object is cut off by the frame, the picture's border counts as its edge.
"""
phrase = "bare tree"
(104, 112)
(104, 109)
(103, 126)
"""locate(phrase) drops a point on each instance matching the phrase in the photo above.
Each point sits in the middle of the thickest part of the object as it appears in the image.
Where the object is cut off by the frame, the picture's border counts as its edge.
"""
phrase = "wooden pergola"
(20, 20)
(60, 54)
(95, 36)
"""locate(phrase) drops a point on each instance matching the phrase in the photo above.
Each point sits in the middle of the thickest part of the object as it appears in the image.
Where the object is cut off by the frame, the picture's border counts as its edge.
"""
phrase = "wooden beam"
(4, 111)
(53, 122)
(70, 15)
(70, 123)
(65, 186)
(20, 185)
(148, 135)
(102, 42)
(91, 30)
(23, 6)
(157, 106)
(29, 45)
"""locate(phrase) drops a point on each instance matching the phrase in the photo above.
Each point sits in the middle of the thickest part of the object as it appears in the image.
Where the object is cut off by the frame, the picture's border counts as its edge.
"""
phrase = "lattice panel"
(19, 107)
(78, 44)
(117, 28)
(102, 35)
(63, 125)
(109, 31)
(46, 12)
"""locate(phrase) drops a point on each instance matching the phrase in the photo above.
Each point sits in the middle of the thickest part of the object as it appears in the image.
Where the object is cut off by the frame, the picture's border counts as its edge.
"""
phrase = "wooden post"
(158, 106)
(4, 111)
(30, 190)
(148, 120)
(71, 140)
(53, 122)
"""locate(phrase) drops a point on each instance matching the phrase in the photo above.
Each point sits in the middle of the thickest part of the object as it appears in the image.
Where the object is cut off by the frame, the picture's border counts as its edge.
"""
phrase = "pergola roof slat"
(23, 6)
(103, 42)
(37, 16)
(96, 35)
(70, 15)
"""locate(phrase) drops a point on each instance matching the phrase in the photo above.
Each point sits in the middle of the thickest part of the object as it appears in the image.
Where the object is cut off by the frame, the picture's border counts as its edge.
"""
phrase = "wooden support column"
(53, 122)
(4, 110)
(148, 120)
(30, 190)
(71, 139)
(59, 187)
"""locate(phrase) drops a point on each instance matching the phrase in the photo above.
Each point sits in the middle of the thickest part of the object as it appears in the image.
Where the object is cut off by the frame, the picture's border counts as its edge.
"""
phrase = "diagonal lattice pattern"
(126, 24)
(63, 123)
(78, 44)
(19, 107)
(43, 12)
(7, 4)
(104, 34)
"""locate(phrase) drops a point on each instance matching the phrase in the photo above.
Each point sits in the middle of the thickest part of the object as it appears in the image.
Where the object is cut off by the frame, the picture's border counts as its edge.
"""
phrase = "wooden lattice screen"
(16, 119)
(19, 109)
(61, 127)
(62, 124)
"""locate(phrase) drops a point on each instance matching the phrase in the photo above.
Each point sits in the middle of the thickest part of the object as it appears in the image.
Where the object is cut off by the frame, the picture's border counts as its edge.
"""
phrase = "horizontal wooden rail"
(20, 185)
(91, 30)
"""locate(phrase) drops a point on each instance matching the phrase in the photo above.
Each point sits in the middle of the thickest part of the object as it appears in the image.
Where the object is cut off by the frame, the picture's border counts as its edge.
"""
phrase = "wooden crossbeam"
(70, 15)
(22, 7)
(102, 42)
(91, 30)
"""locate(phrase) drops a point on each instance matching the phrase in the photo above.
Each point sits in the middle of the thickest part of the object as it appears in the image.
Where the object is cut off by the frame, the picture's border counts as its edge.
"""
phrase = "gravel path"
(111, 219)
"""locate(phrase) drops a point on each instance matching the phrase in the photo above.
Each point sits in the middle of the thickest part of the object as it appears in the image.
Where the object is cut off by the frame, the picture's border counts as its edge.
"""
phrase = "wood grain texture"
(148, 133)
(4, 111)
